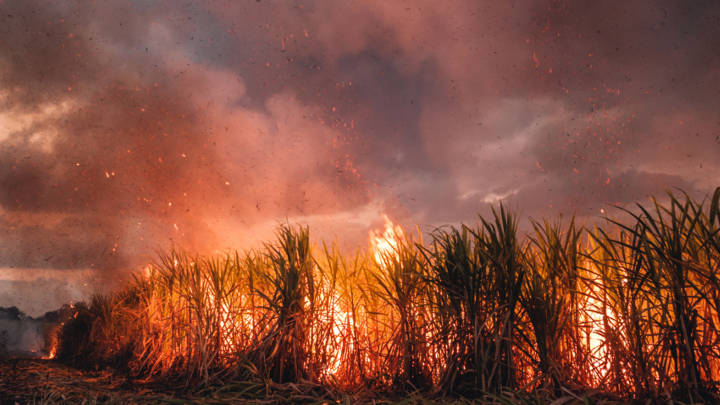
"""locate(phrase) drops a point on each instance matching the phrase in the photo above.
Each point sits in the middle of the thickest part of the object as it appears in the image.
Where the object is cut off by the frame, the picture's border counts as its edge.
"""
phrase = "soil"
(36, 381)
(33, 381)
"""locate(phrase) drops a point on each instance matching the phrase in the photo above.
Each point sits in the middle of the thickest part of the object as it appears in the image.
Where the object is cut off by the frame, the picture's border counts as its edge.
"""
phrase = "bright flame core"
(385, 245)
(596, 316)
(52, 352)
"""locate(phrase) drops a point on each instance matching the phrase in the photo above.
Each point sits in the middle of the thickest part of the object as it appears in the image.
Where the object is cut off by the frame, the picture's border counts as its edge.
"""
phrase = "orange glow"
(384, 245)
(53, 351)
(596, 315)
(341, 325)
(54, 338)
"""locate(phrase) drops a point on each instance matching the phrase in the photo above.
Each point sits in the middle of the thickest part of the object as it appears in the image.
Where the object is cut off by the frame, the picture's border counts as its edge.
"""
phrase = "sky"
(129, 127)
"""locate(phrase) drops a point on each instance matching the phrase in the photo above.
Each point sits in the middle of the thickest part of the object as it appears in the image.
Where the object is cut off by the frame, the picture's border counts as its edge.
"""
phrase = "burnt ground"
(33, 381)
(44, 381)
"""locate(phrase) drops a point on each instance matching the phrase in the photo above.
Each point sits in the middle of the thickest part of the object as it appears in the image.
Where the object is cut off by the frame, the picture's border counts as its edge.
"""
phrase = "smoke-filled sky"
(130, 126)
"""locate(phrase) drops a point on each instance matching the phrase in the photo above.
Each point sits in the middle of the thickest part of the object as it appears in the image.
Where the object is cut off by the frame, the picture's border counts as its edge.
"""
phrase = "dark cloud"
(130, 126)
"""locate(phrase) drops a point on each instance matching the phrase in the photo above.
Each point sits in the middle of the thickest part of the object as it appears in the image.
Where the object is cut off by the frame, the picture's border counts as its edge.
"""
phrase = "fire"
(52, 352)
(385, 245)
(341, 324)
(53, 337)
(595, 315)
(409, 317)
(594, 336)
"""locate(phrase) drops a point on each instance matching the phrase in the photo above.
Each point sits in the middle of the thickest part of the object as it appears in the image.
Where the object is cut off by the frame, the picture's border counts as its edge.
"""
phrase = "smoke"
(109, 152)
(21, 335)
(127, 128)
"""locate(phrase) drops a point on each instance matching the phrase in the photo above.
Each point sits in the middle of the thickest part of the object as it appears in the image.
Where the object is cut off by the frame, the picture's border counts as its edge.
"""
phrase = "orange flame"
(51, 354)
(385, 245)
(53, 344)
(595, 315)
(341, 323)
